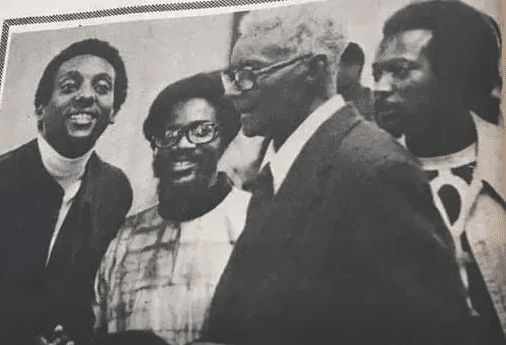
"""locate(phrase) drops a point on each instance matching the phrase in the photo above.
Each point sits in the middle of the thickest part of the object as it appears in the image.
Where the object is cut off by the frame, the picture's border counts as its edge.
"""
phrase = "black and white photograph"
(284, 172)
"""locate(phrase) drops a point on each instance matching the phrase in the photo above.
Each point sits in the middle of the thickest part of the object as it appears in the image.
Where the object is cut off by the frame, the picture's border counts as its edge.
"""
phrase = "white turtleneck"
(68, 173)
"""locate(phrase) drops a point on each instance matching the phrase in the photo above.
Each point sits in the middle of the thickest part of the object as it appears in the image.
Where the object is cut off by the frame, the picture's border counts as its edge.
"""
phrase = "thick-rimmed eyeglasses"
(197, 133)
(245, 78)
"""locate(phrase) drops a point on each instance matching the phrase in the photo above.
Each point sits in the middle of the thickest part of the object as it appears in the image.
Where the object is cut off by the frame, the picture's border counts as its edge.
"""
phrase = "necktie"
(223, 318)
(265, 181)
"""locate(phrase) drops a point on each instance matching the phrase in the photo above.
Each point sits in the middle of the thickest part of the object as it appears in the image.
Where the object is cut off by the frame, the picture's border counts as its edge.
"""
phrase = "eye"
(172, 133)
(402, 70)
(68, 86)
(204, 130)
(102, 87)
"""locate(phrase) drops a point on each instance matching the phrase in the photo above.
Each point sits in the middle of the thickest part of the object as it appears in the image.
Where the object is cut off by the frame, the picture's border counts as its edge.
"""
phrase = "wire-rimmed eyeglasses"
(246, 77)
(198, 133)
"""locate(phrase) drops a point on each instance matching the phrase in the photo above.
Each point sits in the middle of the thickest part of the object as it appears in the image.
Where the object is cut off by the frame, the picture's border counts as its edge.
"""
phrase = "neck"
(288, 128)
(452, 134)
(59, 166)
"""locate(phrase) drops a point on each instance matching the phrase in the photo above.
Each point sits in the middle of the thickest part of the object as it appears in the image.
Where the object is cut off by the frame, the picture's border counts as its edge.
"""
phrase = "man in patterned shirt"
(435, 72)
(161, 270)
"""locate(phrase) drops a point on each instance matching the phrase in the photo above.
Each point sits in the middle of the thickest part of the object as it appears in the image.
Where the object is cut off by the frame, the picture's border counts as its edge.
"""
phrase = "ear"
(39, 111)
(112, 116)
(317, 68)
(356, 70)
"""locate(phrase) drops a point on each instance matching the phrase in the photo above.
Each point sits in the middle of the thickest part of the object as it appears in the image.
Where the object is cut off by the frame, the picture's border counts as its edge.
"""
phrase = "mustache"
(382, 105)
(163, 160)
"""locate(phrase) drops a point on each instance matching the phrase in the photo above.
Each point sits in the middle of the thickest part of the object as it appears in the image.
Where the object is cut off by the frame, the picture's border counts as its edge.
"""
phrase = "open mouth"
(181, 166)
(388, 116)
(82, 119)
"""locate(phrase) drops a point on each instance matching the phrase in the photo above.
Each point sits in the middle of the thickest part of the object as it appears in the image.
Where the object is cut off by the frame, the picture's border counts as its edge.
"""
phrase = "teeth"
(182, 164)
(82, 119)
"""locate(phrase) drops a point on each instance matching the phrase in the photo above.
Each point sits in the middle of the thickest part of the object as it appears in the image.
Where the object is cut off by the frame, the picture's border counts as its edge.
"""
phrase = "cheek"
(415, 90)
(58, 102)
(212, 152)
(106, 102)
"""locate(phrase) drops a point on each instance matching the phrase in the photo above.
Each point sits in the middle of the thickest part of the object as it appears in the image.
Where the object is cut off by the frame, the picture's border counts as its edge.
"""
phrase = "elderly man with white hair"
(342, 244)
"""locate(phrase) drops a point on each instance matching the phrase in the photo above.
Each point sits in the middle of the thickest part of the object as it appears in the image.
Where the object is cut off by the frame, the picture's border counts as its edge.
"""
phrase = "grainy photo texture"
(262, 172)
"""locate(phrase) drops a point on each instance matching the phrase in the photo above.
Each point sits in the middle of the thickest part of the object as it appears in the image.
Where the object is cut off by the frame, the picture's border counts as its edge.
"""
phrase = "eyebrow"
(76, 75)
(395, 61)
(70, 74)
(249, 63)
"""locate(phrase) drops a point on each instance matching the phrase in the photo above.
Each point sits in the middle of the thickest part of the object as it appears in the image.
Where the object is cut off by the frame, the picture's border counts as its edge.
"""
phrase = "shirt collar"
(489, 166)
(58, 166)
(490, 162)
(281, 161)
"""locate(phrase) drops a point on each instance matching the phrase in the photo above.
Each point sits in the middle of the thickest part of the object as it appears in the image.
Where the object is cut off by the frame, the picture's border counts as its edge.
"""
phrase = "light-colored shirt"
(68, 173)
(282, 160)
(465, 190)
(161, 274)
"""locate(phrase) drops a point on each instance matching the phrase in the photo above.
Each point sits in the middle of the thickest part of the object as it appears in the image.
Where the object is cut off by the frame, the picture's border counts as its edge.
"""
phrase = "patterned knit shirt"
(161, 274)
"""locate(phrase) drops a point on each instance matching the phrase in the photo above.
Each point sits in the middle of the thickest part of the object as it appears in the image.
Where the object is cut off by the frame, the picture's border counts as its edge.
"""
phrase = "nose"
(85, 96)
(184, 143)
(229, 86)
(384, 83)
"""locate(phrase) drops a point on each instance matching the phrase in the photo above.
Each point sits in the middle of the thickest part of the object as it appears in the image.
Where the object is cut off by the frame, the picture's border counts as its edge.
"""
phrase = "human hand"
(58, 337)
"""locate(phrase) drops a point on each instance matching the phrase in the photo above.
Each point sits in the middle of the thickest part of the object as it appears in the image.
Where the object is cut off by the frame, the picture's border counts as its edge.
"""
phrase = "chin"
(250, 130)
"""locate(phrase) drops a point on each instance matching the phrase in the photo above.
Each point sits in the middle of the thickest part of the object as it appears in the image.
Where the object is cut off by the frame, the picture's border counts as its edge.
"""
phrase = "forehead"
(408, 45)
(87, 65)
(259, 49)
(194, 109)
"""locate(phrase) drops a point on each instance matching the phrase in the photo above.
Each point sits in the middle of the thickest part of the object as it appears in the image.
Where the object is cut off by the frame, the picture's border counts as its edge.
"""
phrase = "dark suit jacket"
(34, 298)
(349, 251)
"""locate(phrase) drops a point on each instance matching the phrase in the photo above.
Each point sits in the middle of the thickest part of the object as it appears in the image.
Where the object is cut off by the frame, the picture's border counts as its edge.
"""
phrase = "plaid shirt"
(161, 274)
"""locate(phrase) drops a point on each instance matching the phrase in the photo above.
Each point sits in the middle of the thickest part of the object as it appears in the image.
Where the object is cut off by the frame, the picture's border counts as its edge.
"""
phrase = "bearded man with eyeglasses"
(161, 270)
(342, 244)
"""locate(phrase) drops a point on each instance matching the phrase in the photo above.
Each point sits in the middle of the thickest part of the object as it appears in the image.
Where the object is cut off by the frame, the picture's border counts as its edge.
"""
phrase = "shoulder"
(367, 147)
(234, 209)
(373, 145)
(106, 171)
(108, 178)
(141, 223)
(16, 163)
(148, 218)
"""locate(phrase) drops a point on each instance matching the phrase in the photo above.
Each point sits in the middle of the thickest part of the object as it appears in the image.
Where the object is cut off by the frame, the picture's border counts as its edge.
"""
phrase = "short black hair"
(353, 54)
(132, 337)
(202, 85)
(464, 49)
(90, 46)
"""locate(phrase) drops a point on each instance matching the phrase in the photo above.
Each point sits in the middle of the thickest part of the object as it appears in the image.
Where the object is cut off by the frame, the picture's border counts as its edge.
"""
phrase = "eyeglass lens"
(201, 133)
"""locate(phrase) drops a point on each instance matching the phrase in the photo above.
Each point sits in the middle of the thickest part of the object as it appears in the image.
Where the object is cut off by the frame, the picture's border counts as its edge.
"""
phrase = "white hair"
(301, 29)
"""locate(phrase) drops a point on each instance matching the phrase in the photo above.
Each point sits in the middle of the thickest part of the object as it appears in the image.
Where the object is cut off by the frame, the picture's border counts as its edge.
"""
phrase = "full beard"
(178, 199)
(181, 198)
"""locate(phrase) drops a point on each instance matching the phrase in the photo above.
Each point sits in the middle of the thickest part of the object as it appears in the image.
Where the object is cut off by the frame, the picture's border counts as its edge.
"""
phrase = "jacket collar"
(281, 161)
(319, 153)
(490, 165)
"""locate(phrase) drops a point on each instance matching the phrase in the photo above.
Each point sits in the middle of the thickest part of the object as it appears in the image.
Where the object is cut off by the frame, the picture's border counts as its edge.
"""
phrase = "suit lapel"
(78, 227)
(273, 233)
(306, 181)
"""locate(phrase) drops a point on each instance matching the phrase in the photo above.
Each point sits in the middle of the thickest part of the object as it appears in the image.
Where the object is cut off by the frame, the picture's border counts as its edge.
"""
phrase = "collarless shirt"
(68, 173)
(161, 274)
(282, 160)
